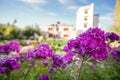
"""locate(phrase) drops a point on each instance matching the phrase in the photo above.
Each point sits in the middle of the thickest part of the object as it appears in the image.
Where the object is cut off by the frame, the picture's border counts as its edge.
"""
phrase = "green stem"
(80, 69)
(8, 75)
(27, 73)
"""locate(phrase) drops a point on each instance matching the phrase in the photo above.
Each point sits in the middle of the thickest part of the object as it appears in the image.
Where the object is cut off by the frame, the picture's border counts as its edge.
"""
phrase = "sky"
(45, 12)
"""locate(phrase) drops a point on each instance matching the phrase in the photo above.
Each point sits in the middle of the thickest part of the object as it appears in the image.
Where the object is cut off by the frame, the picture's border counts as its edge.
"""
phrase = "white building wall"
(81, 16)
(61, 32)
(69, 32)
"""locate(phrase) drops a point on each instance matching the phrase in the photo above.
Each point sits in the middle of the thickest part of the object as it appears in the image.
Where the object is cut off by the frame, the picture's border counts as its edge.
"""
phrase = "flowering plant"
(43, 51)
(89, 44)
(12, 46)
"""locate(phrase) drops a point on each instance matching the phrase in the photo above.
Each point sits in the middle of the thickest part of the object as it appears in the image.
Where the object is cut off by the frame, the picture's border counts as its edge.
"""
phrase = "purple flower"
(10, 47)
(44, 63)
(92, 66)
(68, 58)
(43, 77)
(22, 58)
(30, 65)
(3, 69)
(112, 36)
(1, 49)
(116, 53)
(62, 61)
(9, 64)
(43, 51)
(57, 61)
(30, 54)
(51, 70)
(91, 43)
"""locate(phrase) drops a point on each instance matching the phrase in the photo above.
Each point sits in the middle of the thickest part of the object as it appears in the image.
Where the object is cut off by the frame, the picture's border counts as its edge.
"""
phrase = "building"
(95, 20)
(86, 18)
(62, 31)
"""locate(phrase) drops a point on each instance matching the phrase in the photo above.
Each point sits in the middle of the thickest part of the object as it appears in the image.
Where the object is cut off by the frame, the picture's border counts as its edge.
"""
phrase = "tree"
(1, 30)
(28, 32)
(116, 23)
(14, 22)
(37, 29)
(11, 32)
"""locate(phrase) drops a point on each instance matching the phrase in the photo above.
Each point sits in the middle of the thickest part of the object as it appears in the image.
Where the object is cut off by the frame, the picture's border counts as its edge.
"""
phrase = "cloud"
(66, 1)
(63, 1)
(52, 14)
(107, 17)
(72, 7)
(42, 2)
(106, 21)
(84, 1)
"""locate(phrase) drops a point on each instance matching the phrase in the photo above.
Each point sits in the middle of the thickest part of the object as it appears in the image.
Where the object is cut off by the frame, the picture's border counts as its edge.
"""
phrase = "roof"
(60, 24)
(87, 6)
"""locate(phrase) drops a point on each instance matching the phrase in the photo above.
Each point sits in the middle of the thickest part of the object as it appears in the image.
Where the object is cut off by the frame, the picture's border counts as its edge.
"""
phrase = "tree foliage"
(11, 31)
(116, 23)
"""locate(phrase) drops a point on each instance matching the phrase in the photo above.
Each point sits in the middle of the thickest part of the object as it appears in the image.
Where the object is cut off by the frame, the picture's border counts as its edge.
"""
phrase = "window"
(50, 35)
(65, 35)
(57, 29)
(50, 29)
(66, 29)
(85, 18)
(86, 11)
(85, 25)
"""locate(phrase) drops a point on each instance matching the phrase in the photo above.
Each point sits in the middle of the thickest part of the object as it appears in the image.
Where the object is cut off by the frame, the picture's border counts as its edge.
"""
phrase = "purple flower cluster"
(21, 57)
(116, 53)
(44, 63)
(42, 51)
(112, 36)
(8, 64)
(59, 61)
(43, 77)
(9, 47)
(1, 49)
(91, 43)
(68, 58)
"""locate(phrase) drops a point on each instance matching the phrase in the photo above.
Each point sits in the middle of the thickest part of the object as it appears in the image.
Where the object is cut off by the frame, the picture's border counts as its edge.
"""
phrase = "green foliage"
(116, 23)
(104, 70)
(1, 29)
(29, 31)
(107, 70)
(22, 42)
(10, 31)
(115, 29)
(56, 44)
(26, 73)
(36, 29)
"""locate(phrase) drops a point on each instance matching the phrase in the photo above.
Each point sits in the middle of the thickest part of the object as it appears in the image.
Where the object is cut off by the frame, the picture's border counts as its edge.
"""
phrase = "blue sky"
(44, 12)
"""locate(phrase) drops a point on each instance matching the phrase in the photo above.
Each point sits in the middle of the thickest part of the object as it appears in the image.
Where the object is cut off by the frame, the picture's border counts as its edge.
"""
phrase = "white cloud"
(52, 14)
(107, 17)
(63, 1)
(84, 1)
(106, 21)
(67, 1)
(72, 7)
(35, 1)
